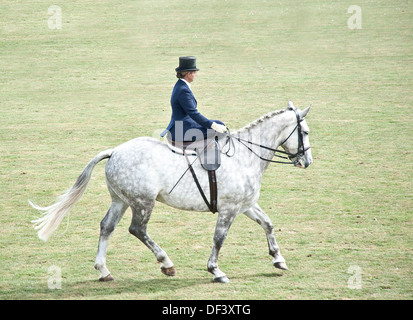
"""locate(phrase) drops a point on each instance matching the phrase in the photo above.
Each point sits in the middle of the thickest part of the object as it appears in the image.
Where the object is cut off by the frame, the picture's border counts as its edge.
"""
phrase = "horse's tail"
(54, 214)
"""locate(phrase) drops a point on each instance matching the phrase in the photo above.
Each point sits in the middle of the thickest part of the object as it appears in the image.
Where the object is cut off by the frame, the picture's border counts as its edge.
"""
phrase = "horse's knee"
(133, 230)
(138, 232)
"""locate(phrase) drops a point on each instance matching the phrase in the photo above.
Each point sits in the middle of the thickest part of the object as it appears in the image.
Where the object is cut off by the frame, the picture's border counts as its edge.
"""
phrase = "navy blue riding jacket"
(185, 115)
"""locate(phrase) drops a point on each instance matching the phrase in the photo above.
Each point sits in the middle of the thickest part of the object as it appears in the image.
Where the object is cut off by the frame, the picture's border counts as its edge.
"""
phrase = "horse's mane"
(261, 120)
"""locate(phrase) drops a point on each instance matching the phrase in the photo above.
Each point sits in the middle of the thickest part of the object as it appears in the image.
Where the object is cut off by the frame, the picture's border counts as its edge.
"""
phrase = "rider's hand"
(219, 127)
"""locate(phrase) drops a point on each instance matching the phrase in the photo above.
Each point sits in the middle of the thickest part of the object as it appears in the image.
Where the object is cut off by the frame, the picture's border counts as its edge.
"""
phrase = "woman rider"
(187, 123)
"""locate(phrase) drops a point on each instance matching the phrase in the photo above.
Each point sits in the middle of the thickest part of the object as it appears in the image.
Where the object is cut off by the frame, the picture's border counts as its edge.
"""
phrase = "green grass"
(106, 77)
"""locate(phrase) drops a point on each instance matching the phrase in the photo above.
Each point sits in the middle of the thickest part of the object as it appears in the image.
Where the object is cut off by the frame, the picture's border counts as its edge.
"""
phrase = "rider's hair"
(181, 74)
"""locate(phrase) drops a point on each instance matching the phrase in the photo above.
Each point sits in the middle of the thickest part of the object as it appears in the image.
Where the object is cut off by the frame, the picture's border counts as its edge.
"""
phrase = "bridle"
(296, 156)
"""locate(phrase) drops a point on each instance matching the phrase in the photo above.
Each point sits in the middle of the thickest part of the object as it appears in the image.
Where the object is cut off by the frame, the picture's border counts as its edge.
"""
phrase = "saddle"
(207, 151)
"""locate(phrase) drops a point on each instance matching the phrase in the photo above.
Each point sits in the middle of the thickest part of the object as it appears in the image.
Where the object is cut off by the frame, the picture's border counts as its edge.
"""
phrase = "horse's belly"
(183, 202)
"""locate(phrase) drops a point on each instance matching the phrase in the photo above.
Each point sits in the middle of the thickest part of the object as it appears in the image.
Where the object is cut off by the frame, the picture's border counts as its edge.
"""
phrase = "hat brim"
(189, 69)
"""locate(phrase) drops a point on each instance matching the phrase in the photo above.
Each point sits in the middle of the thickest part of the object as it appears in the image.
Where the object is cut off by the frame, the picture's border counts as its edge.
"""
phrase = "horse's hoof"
(170, 272)
(222, 279)
(107, 278)
(281, 265)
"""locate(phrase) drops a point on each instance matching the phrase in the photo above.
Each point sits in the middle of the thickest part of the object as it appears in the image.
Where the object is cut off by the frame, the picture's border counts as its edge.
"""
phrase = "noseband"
(300, 150)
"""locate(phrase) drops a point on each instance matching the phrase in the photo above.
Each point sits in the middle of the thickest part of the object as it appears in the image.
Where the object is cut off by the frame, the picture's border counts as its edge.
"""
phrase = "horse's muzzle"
(303, 163)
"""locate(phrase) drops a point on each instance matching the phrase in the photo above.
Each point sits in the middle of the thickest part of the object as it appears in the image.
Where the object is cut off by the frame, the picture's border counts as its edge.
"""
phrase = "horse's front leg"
(258, 215)
(224, 222)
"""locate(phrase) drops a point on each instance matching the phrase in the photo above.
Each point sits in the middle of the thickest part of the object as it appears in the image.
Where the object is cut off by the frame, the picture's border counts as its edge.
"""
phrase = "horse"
(143, 171)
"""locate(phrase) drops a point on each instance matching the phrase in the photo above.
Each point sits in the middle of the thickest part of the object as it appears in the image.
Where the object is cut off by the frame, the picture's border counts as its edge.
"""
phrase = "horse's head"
(296, 142)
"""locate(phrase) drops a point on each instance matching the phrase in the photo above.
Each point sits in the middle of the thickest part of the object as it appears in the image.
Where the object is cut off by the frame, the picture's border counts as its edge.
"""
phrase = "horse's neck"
(265, 133)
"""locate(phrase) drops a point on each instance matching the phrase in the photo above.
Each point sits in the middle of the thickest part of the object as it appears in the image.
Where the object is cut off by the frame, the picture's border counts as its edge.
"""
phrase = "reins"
(263, 147)
(300, 151)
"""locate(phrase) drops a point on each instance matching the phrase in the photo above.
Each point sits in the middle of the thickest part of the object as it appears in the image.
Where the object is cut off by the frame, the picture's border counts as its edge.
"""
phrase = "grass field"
(106, 77)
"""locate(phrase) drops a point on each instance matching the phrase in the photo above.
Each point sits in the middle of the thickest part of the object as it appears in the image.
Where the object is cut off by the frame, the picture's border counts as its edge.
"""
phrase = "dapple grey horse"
(143, 171)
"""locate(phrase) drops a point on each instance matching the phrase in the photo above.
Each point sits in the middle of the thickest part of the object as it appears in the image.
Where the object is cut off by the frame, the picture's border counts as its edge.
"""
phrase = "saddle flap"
(211, 157)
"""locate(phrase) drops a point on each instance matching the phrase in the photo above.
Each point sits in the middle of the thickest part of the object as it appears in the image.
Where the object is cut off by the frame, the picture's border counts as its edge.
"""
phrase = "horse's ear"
(304, 112)
(290, 106)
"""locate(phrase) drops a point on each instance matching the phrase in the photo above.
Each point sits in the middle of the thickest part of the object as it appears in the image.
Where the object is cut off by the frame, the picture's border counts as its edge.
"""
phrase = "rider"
(187, 124)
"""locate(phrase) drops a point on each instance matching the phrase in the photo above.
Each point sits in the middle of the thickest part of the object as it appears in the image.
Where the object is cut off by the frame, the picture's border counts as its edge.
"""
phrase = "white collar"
(189, 85)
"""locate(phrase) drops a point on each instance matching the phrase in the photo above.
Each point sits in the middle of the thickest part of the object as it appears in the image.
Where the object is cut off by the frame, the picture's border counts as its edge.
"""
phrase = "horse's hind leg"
(107, 226)
(140, 218)
(259, 216)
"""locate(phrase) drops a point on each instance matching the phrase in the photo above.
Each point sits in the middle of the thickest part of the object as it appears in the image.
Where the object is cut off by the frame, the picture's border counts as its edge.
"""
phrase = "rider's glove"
(219, 127)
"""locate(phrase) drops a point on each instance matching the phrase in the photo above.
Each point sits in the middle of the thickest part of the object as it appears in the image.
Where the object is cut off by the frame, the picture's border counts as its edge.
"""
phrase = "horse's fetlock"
(162, 257)
(99, 266)
(211, 267)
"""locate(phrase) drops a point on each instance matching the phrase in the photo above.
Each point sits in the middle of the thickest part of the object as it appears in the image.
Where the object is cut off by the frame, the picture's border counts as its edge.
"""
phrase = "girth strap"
(212, 205)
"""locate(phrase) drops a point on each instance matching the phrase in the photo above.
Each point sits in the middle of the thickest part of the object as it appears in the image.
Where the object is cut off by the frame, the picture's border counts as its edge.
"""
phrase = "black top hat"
(187, 64)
